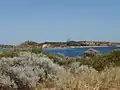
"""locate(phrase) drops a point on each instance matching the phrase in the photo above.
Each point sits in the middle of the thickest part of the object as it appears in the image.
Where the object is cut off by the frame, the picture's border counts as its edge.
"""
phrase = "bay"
(73, 52)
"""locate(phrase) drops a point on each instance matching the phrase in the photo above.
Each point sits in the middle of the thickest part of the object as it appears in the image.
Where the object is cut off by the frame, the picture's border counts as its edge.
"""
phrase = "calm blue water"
(72, 52)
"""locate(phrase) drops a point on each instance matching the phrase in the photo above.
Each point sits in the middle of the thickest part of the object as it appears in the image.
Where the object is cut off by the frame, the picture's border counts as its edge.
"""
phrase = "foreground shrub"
(26, 70)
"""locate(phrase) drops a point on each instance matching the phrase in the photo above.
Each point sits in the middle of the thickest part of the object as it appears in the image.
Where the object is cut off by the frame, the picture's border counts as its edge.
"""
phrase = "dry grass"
(108, 79)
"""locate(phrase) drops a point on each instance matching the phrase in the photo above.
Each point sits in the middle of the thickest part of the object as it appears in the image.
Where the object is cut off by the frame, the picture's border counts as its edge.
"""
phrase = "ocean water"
(73, 52)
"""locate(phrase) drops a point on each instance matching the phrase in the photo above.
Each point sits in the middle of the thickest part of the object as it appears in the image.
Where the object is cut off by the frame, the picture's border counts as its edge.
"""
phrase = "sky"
(59, 20)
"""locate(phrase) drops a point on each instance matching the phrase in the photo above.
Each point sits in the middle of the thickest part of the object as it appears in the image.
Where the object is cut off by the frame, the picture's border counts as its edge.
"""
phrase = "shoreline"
(78, 47)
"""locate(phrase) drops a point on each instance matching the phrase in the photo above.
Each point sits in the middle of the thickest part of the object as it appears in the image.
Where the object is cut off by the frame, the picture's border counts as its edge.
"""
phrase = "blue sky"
(58, 20)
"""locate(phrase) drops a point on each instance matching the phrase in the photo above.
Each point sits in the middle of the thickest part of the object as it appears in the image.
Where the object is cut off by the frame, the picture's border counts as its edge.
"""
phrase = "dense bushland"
(33, 69)
(98, 62)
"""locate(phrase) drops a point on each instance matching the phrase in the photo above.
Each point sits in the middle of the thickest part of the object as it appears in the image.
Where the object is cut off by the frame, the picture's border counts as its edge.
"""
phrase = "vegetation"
(34, 70)
(36, 50)
(14, 53)
(8, 54)
(99, 62)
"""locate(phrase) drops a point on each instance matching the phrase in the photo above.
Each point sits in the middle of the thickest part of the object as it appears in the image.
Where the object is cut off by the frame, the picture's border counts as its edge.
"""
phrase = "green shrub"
(60, 55)
(36, 50)
(8, 54)
(60, 59)
(114, 56)
(100, 62)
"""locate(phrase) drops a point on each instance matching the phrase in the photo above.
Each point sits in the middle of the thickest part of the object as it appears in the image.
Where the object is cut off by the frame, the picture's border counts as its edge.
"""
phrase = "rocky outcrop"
(91, 52)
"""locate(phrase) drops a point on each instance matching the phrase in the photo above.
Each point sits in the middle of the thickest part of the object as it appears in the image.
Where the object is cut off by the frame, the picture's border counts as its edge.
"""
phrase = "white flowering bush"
(27, 70)
(77, 68)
